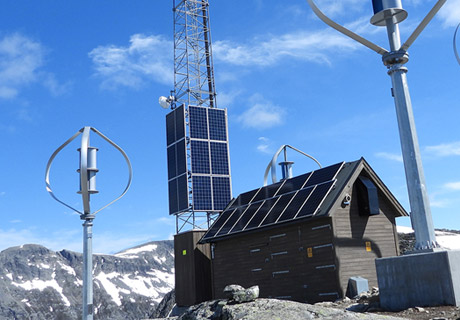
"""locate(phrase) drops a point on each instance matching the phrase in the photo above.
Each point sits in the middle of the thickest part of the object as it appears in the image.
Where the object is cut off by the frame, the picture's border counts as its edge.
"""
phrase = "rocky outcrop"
(271, 309)
(164, 308)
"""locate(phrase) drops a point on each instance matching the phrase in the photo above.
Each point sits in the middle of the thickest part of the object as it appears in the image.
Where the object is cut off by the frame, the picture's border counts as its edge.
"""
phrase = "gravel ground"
(369, 303)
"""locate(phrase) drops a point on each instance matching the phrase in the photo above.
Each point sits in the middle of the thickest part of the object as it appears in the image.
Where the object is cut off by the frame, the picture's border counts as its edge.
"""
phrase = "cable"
(455, 44)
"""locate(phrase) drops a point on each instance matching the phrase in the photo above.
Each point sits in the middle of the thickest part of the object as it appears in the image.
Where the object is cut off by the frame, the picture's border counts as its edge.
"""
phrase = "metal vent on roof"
(288, 200)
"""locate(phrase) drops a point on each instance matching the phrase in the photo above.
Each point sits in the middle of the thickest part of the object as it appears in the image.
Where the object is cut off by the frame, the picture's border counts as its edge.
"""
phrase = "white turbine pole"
(389, 13)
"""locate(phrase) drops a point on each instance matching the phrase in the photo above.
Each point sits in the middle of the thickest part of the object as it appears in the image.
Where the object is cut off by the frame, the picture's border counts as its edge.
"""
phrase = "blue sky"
(284, 76)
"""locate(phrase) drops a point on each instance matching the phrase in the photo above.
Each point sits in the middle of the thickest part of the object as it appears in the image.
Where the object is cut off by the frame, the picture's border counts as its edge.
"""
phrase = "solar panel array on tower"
(198, 159)
(291, 199)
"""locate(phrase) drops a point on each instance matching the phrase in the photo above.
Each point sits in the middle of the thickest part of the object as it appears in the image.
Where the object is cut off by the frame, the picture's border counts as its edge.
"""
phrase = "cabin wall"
(294, 262)
(192, 263)
(359, 240)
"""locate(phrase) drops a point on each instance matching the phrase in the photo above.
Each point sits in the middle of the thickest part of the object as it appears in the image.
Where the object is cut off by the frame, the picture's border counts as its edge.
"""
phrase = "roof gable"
(316, 193)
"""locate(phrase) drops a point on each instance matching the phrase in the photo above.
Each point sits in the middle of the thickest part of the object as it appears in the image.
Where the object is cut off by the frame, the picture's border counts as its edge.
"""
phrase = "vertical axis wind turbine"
(389, 13)
(199, 182)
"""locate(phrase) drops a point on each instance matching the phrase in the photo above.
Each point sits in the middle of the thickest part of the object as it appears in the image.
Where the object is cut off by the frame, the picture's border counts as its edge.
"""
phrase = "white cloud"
(103, 242)
(450, 13)
(445, 149)
(147, 58)
(389, 156)
(225, 99)
(333, 8)
(264, 145)
(21, 64)
(20, 58)
(304, 45)
(454, 186)
(262, 114)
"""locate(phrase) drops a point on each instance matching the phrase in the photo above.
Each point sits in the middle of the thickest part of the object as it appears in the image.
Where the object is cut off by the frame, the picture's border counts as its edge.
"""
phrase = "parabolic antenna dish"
(164, 102)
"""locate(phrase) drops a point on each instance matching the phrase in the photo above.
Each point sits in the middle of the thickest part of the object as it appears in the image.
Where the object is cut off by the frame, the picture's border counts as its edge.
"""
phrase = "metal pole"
(87, 267)
(87, 170)
(421, 218)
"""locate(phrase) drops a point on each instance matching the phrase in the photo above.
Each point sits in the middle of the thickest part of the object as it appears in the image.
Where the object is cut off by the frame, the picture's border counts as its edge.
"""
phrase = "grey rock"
(239, 294)
(247, 295)
(165, 307)
(231, 289)
(272, 309)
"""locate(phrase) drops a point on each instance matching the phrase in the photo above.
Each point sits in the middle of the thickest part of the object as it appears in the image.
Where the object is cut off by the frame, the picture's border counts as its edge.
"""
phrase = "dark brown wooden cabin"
(192, 268)
(303, 238)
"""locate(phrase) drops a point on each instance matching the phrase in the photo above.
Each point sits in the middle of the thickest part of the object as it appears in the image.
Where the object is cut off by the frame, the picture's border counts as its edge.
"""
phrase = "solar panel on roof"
(324, 174)
(294, 198)
(273, 213)
(293, 184)
(231, 221)
(267, 191)
(278, 209)
(246, 217)
(261, 213)
(219, 223)
(295, 205)
(245, 198)
(315, 199)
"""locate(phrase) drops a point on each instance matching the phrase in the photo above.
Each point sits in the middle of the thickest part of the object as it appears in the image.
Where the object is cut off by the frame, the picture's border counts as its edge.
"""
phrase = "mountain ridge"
(38, 283)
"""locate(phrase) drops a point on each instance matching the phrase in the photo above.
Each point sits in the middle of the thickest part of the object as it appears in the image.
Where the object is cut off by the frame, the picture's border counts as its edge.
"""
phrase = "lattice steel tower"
(193, 66)
(199, 180)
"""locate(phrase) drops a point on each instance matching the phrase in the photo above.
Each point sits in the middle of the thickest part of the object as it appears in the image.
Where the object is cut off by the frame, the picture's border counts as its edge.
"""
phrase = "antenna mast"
(199, 180)
(193, 66)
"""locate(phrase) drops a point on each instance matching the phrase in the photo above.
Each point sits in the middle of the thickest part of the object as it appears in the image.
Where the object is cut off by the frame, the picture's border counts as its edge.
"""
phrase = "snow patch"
(402, 229)
(145, 286)
(447, 240)
(109, 287)
(131, 253)
(41, 285)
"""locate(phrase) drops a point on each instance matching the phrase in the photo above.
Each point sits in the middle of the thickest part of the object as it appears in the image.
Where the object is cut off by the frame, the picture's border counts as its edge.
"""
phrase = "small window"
(368, 198)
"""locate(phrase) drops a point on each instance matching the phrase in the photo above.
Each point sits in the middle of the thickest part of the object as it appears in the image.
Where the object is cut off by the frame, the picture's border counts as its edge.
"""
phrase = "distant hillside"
(37, 283)
(448, 239)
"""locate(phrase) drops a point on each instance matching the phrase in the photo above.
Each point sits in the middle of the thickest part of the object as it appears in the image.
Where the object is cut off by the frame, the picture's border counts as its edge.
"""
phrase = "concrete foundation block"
(424, 279)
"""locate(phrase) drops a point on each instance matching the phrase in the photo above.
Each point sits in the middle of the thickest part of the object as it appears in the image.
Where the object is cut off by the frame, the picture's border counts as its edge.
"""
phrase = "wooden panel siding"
(192, 269)
(351, 234)
(277, 260)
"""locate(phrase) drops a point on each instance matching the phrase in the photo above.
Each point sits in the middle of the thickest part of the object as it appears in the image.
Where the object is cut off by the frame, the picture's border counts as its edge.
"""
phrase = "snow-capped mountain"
(37, 283)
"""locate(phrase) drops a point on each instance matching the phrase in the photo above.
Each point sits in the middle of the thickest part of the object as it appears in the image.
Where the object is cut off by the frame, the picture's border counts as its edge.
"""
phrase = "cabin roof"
(308, 196)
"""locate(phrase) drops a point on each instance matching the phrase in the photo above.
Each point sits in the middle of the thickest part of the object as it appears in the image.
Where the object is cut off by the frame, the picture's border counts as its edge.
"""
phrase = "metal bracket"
(395, 57)
(370, 44)
(345, 31)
